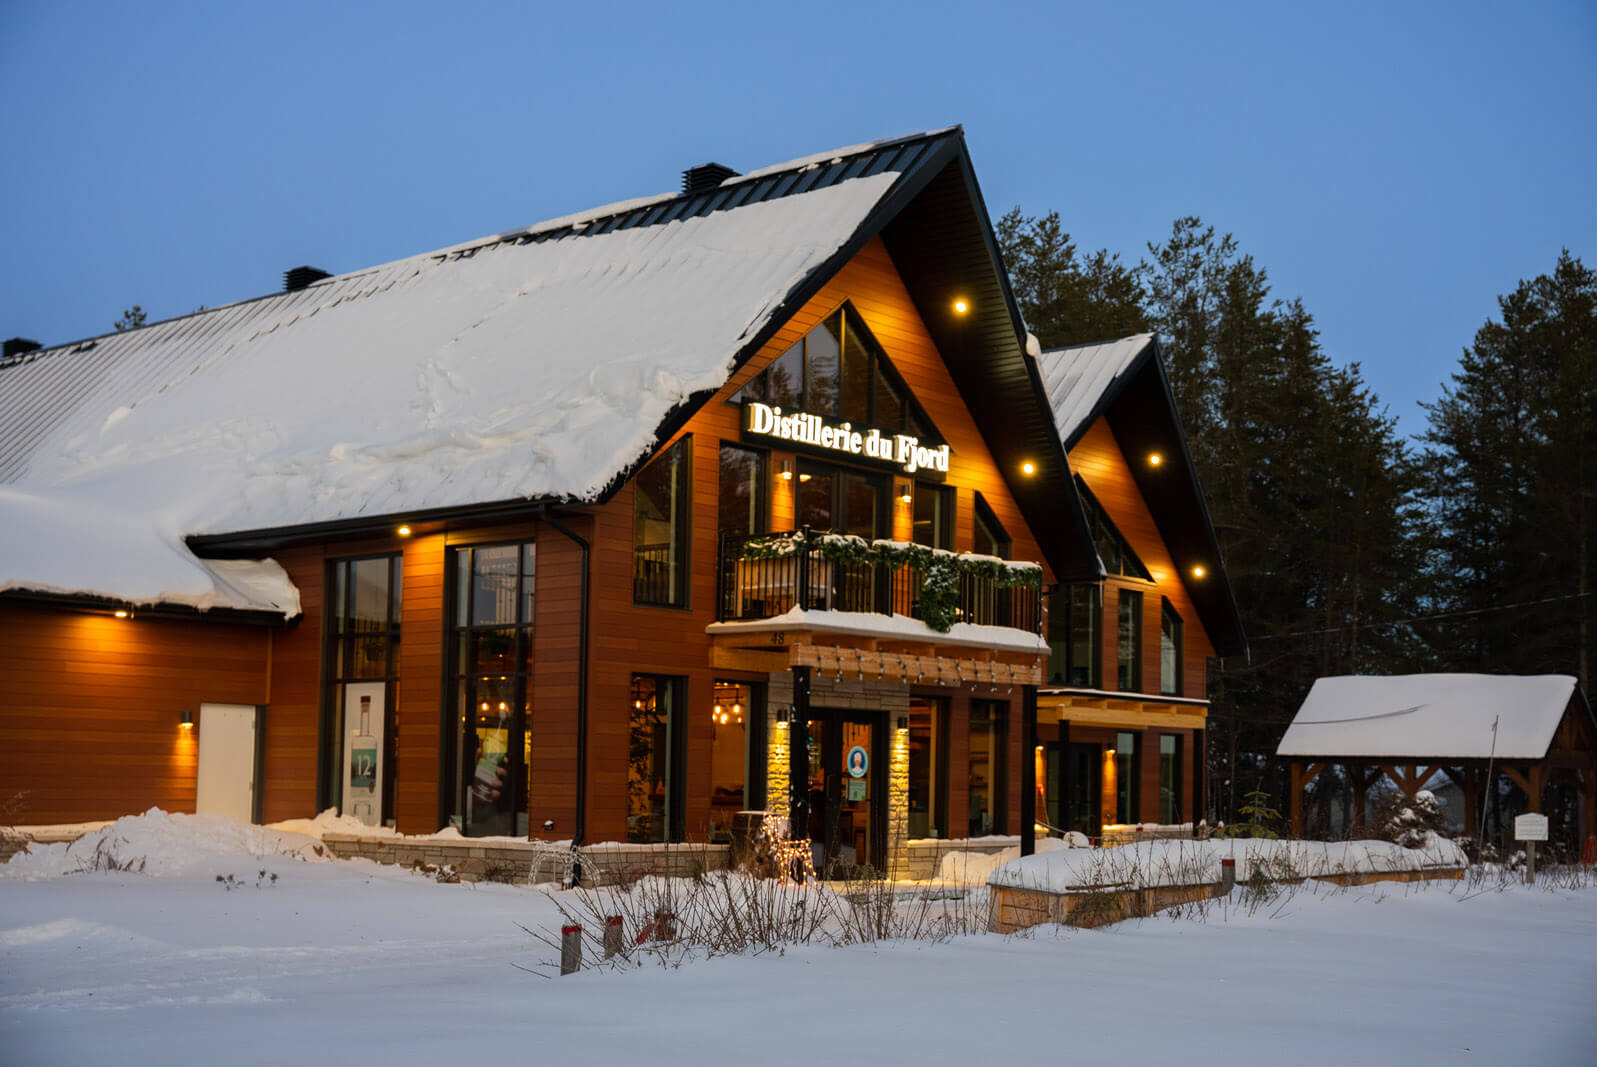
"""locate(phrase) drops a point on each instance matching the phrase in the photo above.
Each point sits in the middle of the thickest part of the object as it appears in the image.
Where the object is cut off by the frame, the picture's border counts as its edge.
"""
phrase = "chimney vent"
(18, 346)
(301, 277)
(705, 176)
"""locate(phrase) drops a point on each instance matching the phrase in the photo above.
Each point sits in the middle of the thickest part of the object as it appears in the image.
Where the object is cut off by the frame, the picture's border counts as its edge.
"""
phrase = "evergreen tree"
(1068, 300)
(1511, 469)
(132, 318)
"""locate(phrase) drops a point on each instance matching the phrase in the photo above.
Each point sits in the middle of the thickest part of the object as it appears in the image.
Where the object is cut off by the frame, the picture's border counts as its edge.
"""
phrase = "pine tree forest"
(1351, 549)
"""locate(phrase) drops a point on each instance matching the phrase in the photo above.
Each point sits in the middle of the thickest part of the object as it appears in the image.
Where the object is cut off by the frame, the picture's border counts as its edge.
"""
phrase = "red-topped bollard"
(570, 948)
(1228, 877)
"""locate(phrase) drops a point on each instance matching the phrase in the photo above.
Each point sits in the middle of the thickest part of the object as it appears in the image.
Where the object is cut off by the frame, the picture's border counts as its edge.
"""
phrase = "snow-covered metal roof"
(1079, 379)
(1430, 716)
(533, 364)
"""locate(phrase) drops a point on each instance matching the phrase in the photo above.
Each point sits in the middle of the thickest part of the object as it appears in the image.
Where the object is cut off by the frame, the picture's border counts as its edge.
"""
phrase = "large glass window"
(1126, 785)
(1075, 625)
(731, 716)
(489, 666)
(660, 530)
(1117, 556)
(742, 491)
(654, 767)
(934, 516)
(1129, 642)
(928, 774)
(1169, 651)
(986, 767)
(358, 723)
(839, 370)
(1169, 778)
(990, 537)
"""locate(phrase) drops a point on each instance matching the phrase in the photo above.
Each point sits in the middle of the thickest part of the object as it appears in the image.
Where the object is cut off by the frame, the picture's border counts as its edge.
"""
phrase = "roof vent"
(17, 346)
(705, 176)
(301, 277)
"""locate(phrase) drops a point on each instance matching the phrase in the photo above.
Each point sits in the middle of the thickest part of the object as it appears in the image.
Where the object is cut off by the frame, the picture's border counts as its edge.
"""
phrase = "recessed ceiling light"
(404, 531)
(1154, 459)
(1028, 467)
(961, 306)
(1198, 571)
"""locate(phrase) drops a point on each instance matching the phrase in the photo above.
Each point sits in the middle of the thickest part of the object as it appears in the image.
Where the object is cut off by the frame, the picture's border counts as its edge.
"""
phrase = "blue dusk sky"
(1396, 165)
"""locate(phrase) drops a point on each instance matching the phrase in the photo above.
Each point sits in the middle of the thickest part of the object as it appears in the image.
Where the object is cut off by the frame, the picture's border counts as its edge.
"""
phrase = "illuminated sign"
(800, 428)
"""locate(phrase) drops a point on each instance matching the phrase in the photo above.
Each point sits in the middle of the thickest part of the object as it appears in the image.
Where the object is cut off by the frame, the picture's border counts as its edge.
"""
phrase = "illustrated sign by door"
(363, 751)
(225, 783)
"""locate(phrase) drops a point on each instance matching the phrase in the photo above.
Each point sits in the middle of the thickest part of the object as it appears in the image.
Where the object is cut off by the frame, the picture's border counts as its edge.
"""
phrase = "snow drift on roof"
(1430, 715)
(1077, 378)
(514, 370)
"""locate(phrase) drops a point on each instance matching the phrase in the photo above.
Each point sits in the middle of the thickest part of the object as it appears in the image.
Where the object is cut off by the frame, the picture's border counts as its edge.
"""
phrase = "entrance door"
(847, 794)
(1083, 800)
(225, 784)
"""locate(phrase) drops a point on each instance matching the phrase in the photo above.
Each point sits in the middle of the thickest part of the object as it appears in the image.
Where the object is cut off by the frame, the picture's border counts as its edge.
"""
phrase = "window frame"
(997, 712)
(1132, 597)
(681, 568)
(335, 675)
(675, 818)
(457, 703)
(1171, 687)
(762, 486)
(1100, 524)
(982, 513)
(1173, 815)
(945, 495)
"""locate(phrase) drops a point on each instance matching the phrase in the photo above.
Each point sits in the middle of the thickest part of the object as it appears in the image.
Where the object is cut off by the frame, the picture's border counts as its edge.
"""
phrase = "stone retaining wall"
(524, 861)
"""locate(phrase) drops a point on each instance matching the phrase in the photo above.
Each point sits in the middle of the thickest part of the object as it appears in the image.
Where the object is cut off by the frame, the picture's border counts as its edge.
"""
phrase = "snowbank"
(1176, 862)
(974, 868)
(161, 844)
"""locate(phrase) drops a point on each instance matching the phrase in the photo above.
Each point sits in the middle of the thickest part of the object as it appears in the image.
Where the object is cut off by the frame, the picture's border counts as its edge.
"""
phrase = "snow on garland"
(940, 569)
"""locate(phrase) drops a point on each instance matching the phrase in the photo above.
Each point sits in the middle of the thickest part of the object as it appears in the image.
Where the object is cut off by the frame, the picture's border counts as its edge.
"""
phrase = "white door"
(226, 784)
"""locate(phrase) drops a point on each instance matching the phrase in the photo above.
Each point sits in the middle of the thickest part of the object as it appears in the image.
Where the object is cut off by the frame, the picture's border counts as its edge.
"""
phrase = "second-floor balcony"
(768, 575)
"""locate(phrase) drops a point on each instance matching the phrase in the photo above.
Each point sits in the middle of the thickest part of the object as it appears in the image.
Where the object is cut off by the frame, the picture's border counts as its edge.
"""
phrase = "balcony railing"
(757, 584)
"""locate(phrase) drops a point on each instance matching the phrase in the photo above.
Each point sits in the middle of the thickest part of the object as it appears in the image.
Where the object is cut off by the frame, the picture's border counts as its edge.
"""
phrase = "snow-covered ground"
(346, 961)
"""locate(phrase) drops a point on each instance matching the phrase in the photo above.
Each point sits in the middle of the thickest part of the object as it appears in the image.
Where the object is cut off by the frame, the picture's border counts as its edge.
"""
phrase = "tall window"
(1169, 778)
(1075, 626)
(1117, 556)
(1129, 642)
(363, 681)
(489, 664)
(660, 530)
(1169, 651)
(654, 767)
(990, 536)
(733, 719)
(742, 491)
(1126, 785)
(838, 369)
(986, 767)
(928, 768)
(934, 516)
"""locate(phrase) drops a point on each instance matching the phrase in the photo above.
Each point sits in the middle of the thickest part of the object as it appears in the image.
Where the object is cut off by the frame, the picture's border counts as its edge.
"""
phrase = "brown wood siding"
(293, 717)
(90, 705)
(1098, 459)
(631, 638)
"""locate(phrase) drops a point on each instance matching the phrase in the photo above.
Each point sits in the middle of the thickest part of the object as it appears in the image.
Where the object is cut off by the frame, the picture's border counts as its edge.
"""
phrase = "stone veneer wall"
(523, 861)
(829, 691)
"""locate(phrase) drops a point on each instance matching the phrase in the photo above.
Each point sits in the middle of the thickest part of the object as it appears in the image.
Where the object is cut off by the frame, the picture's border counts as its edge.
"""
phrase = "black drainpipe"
(545, 514)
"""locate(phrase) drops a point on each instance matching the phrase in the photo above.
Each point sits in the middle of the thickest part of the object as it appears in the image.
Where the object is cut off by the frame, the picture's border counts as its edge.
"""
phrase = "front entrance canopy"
(1410, 727)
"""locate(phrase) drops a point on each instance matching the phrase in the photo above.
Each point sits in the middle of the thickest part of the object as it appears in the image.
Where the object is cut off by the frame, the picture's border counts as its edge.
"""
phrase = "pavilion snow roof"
(1430, 716)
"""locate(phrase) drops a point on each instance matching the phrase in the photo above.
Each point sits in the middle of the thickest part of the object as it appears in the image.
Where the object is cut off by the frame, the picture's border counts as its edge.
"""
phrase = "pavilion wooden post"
(1297, 799)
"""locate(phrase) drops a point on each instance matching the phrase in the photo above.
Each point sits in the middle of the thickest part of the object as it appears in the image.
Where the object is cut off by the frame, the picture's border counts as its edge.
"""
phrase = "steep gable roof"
(541, 364)
(1124, 382)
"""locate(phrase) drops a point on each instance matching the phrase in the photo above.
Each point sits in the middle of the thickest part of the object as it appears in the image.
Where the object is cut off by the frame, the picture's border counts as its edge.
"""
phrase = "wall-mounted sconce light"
(785, 469)
(185, 719)
(903, 722)
(122, 613)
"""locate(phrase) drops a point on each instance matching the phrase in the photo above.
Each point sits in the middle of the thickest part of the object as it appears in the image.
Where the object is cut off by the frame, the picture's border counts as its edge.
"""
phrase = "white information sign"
(1530, 827)
(363, 751)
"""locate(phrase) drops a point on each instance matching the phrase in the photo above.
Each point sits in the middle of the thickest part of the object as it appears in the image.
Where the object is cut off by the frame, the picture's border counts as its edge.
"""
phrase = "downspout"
(546, 514)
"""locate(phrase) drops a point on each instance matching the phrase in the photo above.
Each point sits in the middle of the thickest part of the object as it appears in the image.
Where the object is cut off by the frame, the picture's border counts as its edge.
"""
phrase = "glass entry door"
(847, 789)
(1083, 800)
(840, 500)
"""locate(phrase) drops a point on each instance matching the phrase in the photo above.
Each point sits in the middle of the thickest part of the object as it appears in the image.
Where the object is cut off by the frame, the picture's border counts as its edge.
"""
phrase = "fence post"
(612, 936)
(1228, 877)
(570, 948)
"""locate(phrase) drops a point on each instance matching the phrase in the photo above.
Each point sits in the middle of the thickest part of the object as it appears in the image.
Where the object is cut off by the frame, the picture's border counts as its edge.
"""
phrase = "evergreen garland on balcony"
(940, 569)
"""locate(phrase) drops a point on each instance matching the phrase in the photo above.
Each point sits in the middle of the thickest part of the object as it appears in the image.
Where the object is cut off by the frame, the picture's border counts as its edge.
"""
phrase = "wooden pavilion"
(1536, 731)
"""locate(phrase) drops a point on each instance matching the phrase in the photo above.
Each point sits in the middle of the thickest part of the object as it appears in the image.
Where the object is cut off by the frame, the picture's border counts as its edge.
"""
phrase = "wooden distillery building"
(747, 497)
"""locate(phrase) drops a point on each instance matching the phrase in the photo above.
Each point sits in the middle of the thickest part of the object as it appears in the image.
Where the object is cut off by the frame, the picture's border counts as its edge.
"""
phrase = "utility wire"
(1423, 618)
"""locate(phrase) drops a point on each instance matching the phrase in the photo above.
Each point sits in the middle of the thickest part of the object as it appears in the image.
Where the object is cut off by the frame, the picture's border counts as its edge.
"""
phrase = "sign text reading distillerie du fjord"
(905, 450)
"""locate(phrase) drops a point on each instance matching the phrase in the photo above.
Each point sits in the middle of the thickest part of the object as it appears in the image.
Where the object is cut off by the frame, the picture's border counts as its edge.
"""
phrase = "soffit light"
(961, 306)
(1028, 467)
(1198, 571)
(1154, 459)
(121, 613)
(404, 531)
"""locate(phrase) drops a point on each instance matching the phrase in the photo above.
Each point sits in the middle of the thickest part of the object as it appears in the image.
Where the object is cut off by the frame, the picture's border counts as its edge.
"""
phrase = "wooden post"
(1200, 780)
(1028, 770)
(1356, 785)
(1067, 798)
(570, 949)
(1297, 799)
(798, 773)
